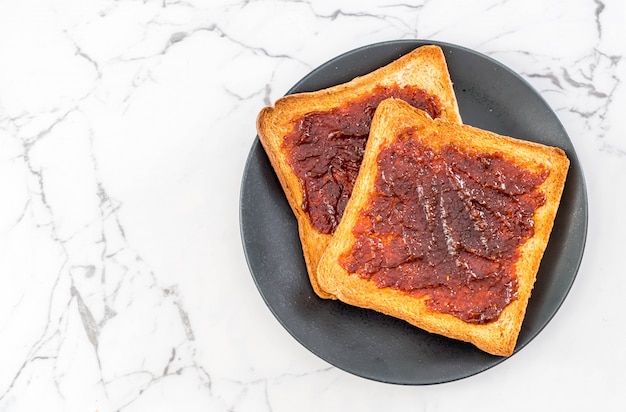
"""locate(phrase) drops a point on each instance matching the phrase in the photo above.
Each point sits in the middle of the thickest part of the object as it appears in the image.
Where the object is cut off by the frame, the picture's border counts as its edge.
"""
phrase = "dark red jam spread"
(446, 224)
(325, 150)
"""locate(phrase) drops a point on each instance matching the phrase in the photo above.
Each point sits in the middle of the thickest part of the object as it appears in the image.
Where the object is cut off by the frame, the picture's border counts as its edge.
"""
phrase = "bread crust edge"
(498, 337)
(424, 67)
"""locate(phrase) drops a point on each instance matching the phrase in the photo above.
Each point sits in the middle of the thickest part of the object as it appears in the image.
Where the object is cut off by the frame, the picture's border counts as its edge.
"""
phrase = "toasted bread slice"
(424, 68)
(392, 120)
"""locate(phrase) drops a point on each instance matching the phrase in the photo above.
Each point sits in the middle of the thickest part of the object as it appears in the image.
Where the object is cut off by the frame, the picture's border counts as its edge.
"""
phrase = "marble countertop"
(124, 130)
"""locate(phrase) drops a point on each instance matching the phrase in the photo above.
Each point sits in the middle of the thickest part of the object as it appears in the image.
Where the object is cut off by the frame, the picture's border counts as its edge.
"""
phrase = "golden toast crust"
(498, 337)
(424, 67)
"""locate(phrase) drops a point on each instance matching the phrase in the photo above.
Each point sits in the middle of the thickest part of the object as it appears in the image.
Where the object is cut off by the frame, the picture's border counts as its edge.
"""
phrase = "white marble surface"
(124, 128)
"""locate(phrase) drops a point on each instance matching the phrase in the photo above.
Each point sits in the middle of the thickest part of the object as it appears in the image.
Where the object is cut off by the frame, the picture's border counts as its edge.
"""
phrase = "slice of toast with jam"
(315, 141)
(446, 227)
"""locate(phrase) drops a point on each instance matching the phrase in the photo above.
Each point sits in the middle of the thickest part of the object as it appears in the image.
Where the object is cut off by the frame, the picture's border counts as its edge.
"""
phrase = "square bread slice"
(424, 69)
(446, 227)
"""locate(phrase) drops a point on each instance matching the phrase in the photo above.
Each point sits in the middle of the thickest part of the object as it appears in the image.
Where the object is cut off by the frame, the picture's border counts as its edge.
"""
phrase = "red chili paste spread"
(446, 224)
(325, 150)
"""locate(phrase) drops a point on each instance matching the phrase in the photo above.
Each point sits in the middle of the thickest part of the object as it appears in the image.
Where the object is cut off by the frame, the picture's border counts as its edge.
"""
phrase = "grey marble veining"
(124, 129)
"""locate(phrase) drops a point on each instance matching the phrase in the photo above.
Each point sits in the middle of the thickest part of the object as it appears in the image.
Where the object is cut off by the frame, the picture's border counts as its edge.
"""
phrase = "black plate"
(370, 344)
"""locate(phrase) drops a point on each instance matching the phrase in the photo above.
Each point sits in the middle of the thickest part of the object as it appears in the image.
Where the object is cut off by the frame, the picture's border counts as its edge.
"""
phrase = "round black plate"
(367, 343)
